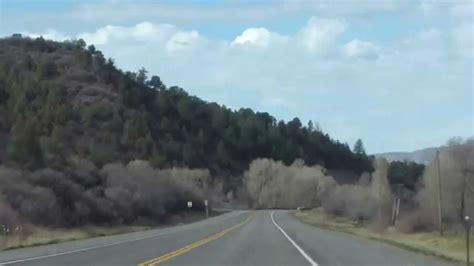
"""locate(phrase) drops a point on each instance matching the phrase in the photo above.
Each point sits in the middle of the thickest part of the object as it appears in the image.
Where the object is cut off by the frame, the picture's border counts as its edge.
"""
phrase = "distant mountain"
(423, 156)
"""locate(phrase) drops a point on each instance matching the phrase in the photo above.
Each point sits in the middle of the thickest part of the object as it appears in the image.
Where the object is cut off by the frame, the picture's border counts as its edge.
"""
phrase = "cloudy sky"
(396, 73)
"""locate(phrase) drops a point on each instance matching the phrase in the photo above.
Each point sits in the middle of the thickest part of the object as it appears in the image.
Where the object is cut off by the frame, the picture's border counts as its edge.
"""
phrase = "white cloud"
(317, 37)
(462, 9)
(147, 31)
(259, 37)
(319, 34)
(184, 40)
(253, 36)
(101, 36)
(360, 49)
(143, 32)
(462, 36)
(173, 39)
(435, 45)
(80, 14)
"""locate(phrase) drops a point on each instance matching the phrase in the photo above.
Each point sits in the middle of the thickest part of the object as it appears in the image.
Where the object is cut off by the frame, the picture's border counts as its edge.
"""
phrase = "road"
(237, 238)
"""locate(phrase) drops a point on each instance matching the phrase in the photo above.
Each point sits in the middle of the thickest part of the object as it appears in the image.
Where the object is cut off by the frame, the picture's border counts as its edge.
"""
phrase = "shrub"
(116, 194)
(8, 217)
(417, 220)
(272, 184)
(352, 201)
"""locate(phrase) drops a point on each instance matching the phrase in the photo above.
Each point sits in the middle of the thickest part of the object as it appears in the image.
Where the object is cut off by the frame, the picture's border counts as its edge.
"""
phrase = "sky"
(396, 73)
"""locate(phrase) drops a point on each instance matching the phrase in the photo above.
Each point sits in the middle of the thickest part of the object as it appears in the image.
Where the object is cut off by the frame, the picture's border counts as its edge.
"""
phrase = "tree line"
(64, 99)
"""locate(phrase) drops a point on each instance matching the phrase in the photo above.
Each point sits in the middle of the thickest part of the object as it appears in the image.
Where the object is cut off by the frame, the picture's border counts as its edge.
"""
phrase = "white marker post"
(190, 204)
(468, 227)
(206, 203)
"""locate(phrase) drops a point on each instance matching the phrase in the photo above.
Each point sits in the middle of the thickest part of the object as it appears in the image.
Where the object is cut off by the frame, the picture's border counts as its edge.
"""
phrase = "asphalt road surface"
(236, 238)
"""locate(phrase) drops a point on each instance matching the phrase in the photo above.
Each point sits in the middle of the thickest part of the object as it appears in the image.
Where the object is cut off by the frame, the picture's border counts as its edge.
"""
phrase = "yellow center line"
(194, 245)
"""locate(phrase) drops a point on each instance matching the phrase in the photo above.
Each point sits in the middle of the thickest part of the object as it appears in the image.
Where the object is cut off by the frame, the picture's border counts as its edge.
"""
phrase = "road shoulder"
(447, 248)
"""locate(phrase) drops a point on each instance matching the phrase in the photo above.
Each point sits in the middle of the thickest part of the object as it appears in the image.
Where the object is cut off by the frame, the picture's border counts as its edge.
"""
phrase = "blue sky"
(396, 73)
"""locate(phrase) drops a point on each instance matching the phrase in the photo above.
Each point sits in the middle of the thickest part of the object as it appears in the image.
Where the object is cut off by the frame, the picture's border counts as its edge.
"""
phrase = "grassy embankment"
(450, 247)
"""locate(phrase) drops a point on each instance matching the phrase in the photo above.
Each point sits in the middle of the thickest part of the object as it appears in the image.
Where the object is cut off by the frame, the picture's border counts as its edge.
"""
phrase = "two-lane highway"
(236, 238)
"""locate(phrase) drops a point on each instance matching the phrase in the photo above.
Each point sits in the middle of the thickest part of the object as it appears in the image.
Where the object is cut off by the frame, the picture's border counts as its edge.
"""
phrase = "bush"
(116, 194)
(416, 221)
(352, 201)
(272, 184)
(36, 204)
(8, 217)
(48, 69)
(365, 201)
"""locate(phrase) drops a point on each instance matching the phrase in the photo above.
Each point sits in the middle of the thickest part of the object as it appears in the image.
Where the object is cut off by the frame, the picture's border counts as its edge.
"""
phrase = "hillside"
(423, 156)
(59, 99)
(85, 142)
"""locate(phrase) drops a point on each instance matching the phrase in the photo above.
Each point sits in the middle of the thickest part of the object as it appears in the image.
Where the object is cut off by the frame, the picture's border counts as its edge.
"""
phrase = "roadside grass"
(449, 247)
(45, 236)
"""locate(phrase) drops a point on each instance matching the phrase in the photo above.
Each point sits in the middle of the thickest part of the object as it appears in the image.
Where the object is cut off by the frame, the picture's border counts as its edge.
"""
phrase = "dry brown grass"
(42, 236)
(35, 236)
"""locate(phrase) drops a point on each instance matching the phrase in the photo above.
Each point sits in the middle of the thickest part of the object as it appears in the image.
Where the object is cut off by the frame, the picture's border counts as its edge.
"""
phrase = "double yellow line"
(194, 245)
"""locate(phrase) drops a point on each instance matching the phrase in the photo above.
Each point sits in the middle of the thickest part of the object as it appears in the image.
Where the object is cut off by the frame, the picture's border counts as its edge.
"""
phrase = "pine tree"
(359, 148)
(310, 126)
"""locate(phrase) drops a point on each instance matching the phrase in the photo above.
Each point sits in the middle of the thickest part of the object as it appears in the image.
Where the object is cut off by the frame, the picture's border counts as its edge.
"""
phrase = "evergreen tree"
(310, 126)
(359, 148)
(156, 83)
(142, 77)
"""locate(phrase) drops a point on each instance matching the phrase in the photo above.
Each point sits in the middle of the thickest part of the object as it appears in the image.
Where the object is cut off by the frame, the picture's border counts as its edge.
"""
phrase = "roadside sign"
(206, 203)
(190, 204)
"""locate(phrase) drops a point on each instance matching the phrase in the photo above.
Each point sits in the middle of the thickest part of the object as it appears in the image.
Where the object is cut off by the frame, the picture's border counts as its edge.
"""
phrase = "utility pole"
(396, 204)
(440, 213)
(380, 202)
(399, 199)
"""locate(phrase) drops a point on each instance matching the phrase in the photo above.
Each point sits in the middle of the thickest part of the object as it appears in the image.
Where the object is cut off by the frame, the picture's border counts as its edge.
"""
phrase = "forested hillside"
(64, 99)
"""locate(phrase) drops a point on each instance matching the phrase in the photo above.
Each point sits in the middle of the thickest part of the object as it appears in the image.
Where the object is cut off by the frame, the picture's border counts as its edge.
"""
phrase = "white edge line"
(83, 249)
(94, 247)
(306, 256)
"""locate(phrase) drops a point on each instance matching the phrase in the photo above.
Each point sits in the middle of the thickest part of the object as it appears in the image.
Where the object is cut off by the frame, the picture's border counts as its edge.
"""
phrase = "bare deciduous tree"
(457, 173)
(272, 184)
(380, 189)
